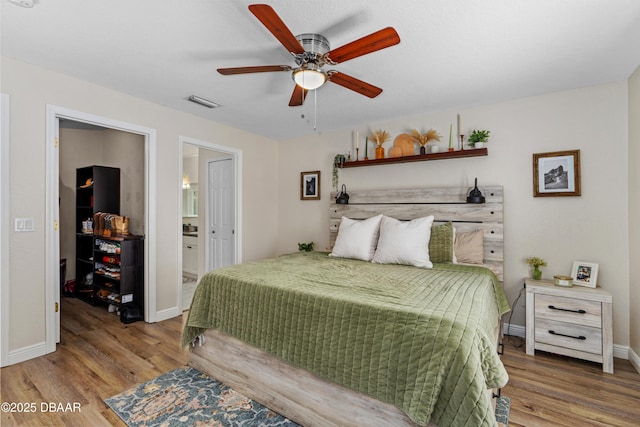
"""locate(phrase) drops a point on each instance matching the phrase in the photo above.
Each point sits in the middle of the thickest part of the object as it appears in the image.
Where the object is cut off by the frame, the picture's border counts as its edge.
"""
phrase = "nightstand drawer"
(567, 335)
(569, 310)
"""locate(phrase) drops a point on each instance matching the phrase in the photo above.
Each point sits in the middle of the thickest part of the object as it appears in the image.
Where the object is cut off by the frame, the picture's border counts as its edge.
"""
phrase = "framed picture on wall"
(310, 185)
(556, 174)
(585, 274)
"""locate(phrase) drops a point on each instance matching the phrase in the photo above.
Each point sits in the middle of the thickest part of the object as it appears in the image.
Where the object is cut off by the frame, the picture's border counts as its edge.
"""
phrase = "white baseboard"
(515, 330)
(168, 313)
(634, 359)
(619, 351)
(27, 353)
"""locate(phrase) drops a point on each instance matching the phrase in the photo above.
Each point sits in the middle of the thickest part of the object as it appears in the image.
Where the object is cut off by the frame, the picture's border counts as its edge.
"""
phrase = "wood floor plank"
(552, 390)
(98, 357)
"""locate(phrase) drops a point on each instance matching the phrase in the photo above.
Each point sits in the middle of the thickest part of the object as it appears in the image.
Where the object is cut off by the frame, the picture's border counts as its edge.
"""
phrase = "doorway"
(52, 234)
(116, 157)
(195, 156)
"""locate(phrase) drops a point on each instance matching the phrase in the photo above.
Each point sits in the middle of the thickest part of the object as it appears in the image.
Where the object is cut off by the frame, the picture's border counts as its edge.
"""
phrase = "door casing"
(52, 236)
(236, 156)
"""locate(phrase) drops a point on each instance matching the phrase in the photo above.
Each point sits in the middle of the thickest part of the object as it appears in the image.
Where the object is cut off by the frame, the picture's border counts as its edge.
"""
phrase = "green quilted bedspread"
(419, 339)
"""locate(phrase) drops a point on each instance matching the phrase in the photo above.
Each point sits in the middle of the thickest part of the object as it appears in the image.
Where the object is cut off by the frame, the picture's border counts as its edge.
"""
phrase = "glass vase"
(537, 273)
(379, 152)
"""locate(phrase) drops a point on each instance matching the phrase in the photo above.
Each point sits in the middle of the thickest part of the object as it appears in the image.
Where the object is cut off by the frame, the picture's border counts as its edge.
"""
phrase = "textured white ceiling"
(453, 53)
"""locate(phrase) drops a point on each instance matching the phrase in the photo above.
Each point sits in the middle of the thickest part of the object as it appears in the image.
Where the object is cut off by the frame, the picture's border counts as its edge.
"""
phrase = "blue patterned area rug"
(187, 397)
(503, 407)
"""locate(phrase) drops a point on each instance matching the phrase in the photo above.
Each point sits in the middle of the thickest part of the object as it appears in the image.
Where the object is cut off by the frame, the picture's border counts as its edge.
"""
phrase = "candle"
(366, 147)
(357, 139)
(450, 132)
(460, 126)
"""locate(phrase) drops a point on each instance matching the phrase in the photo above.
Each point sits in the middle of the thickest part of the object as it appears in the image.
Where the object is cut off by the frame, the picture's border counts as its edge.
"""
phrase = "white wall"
(31, 89)
(634, 211)
(592, 227)
(125, 150)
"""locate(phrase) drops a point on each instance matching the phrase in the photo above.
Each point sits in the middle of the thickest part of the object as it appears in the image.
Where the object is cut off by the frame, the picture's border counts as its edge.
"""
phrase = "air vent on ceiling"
(23, 3)
(204, 102)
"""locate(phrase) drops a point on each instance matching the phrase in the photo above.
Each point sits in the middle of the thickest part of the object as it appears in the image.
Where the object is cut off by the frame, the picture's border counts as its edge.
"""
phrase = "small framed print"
(556, 174)
(310, 185)
(585, 274)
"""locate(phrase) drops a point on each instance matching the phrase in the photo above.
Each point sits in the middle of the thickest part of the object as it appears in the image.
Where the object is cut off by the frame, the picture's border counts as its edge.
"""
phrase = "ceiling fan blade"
(355, 85)
(257, 69)
(375, 41)
(297, 97)
(277, 27)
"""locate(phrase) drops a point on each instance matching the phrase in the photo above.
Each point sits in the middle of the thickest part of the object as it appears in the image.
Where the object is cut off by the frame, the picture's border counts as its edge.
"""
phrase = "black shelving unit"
(97, 190)
(118, 275)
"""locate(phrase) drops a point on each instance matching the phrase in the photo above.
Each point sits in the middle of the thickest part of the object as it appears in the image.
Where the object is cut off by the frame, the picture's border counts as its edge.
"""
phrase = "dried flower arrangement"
(425, 138)
(380, 137)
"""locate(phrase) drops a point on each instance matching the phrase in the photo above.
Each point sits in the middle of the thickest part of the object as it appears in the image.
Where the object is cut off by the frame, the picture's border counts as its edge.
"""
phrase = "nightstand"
(572, 321)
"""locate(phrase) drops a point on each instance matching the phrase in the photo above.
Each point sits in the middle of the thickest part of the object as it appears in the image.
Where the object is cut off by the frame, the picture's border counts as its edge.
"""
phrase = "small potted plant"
(479, 138)
(338, 162)
(306, 247)
(536, 263)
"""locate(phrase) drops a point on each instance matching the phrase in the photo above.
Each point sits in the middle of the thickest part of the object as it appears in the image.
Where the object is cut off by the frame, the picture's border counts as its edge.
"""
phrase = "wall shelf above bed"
(476, 152)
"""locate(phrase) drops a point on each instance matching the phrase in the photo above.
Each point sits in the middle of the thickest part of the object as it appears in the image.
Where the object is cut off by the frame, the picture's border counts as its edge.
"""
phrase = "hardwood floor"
(551, 390)
(99, 357)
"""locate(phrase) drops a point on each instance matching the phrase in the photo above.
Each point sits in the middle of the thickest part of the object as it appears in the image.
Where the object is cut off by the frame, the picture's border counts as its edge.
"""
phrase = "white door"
(221, 217)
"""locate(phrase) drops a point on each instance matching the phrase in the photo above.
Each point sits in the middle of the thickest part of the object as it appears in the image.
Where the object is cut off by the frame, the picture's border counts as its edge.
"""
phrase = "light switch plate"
(24, 224)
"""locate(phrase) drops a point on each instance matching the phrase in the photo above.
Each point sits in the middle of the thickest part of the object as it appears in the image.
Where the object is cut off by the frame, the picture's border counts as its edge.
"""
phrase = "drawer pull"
(566, 309)
(579, 337)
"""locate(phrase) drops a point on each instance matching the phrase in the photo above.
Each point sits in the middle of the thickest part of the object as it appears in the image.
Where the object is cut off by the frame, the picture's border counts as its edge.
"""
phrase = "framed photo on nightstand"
(584, 274)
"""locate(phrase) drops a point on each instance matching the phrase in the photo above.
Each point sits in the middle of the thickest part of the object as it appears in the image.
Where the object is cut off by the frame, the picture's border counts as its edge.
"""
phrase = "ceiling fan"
(311, 52)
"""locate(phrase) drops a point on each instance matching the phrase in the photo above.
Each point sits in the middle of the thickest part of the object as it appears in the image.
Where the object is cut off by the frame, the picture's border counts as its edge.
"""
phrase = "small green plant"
(338, 162)
(307, 247)
(479, 136)
(535, 262)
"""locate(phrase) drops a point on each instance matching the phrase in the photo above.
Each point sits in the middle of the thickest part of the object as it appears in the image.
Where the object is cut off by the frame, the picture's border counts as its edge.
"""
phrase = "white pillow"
(357, 239)
(404, 242)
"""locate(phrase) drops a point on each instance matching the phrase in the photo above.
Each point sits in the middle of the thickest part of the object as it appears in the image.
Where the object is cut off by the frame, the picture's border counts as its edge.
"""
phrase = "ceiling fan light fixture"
(309, 77)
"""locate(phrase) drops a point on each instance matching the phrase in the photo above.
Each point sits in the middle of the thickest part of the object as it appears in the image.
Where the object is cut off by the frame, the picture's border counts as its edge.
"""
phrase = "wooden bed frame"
(306, 398)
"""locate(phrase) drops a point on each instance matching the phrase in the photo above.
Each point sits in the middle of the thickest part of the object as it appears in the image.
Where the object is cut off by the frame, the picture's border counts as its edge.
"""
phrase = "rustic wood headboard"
(444, 203)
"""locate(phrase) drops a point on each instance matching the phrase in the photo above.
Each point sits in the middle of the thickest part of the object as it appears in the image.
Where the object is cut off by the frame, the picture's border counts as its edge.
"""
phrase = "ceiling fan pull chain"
(315, 109)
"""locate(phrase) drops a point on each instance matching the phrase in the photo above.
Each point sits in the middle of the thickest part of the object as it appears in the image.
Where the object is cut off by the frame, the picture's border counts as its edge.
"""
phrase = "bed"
(337, 341)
